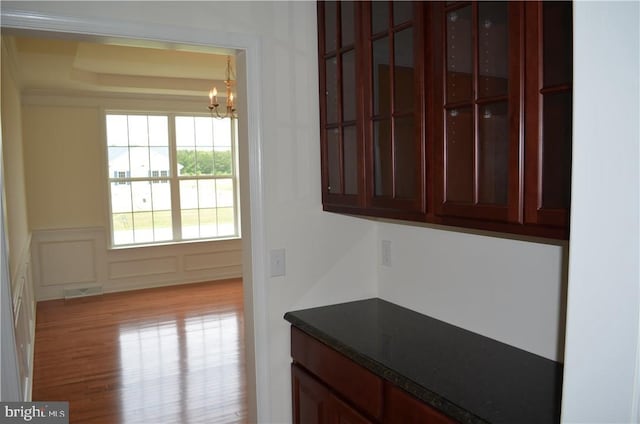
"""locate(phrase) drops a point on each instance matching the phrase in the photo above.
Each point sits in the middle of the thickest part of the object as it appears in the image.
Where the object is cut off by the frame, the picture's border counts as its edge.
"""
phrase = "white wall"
(601, 380)
(508, 290)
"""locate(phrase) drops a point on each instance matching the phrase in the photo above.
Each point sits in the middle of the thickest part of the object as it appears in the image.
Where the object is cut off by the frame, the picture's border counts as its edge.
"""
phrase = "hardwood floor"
(168, 355)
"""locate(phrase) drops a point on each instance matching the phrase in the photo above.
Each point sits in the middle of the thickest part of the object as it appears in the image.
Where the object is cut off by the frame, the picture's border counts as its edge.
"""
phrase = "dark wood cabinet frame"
(524, 211)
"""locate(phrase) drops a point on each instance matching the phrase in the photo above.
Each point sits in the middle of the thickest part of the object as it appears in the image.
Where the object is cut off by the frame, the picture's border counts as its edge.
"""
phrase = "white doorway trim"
(256, 340)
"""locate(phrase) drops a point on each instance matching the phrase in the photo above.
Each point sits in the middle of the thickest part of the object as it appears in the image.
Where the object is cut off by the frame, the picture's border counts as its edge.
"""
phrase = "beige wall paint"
(13, 156)
(63, 155)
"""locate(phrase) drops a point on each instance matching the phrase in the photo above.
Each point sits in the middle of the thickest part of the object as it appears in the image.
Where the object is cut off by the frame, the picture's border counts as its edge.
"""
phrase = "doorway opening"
(247, 51)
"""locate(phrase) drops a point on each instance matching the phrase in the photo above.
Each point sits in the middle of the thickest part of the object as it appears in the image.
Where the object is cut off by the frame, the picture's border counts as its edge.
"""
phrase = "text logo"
(34, 412)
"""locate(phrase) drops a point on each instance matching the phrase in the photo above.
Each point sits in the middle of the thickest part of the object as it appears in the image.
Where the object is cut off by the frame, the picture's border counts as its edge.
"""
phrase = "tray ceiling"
(60, 65)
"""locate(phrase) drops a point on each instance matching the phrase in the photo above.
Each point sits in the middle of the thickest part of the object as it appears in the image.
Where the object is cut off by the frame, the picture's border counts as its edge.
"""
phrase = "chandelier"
(214, 105)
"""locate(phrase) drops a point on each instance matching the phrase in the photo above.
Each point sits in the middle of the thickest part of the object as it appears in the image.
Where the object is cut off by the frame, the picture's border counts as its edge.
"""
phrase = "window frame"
(173, 179)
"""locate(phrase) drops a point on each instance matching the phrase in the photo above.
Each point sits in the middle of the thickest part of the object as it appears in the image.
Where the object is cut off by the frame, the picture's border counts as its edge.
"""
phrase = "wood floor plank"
(168, 355)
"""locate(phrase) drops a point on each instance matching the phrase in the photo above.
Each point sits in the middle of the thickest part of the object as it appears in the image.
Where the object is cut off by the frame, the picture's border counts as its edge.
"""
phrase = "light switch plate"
(278, 265)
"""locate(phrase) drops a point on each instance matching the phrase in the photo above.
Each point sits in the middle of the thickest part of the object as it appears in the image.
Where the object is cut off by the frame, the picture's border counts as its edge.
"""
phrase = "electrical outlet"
(278, 266)
(385, 253)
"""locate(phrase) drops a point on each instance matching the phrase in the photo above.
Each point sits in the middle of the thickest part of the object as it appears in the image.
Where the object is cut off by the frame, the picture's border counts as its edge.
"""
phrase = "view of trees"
(204, 162)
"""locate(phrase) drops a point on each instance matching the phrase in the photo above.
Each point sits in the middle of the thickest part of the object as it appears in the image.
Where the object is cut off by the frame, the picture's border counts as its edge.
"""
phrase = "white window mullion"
(128, 175)
(235, 175)
(176, 216)
(153, 208)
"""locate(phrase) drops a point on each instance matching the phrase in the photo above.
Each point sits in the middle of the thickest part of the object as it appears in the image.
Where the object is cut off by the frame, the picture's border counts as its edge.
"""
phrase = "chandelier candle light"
(213, 96)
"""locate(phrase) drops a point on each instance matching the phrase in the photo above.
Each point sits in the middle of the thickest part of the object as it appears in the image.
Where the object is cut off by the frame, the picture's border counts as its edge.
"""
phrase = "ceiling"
(63, 65)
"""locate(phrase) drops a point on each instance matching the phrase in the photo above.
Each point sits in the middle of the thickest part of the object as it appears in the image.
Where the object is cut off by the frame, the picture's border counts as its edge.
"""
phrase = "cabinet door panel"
(394, 116)
(331, 89)
(381, 87)
(311, 400)
(404, 81)
(314, 403)
(383, 154)
(478, 152)
(459, 155)
(349, 97)
(459, 51)
(405, 152)
(493, 154)
(402, 12)
(379, 16)
(333, 160)
(345, 414)
(340, 105)
(548, 124)
(347, 18)
(346, 378)
(349, 136)
(330, 14)
(493, 49)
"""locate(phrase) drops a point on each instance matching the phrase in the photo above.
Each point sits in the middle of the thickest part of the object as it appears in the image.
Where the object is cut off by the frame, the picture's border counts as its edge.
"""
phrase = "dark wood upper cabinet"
(394, 107)
(478, 136)
(456, 113)
(340, 103)
(549, 110)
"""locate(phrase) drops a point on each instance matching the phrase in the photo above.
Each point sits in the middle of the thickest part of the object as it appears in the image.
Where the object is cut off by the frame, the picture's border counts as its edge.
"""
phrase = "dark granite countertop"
(469, 377)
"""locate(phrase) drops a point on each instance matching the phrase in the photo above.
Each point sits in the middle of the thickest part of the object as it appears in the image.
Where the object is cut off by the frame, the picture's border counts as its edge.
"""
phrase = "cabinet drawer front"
(401, 407)
(352, 381)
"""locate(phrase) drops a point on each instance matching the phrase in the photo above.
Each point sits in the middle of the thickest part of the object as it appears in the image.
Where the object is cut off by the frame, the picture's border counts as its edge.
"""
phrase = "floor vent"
(82, 292)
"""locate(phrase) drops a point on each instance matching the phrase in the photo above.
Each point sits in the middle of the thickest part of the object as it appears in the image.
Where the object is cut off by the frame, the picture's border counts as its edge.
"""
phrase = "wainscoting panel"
(214, 260)
(24, 312)
(143, 267)
(68, 261)
(79, 258)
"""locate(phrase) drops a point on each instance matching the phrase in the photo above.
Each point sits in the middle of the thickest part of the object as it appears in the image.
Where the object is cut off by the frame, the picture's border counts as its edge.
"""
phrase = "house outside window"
(172, 178)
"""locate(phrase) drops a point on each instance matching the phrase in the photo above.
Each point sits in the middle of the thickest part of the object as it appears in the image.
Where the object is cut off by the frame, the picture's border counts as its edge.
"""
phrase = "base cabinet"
(314, 403)
(329, 388)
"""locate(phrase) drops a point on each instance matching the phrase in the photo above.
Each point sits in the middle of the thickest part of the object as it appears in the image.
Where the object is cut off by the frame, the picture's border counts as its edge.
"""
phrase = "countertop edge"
(429, 397)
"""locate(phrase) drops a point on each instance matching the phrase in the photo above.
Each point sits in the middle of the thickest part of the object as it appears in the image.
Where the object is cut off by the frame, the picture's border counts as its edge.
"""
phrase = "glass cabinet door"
(339, 106)
(549, 94)
(480, 144)
(393, 121)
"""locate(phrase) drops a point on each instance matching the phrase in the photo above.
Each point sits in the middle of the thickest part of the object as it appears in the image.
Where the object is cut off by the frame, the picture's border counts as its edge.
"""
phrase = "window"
(172, 178)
